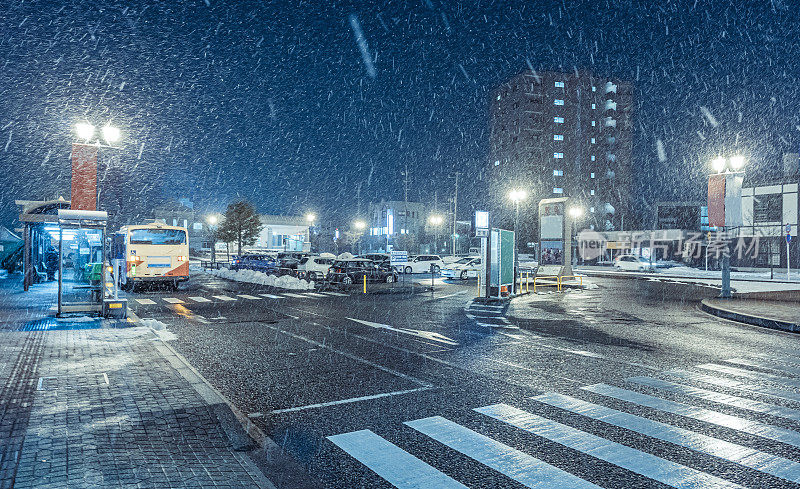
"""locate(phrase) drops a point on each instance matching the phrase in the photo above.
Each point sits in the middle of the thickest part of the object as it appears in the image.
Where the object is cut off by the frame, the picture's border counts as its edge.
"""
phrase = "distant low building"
(182, 213)
(396, 224)
(283, 233)
(679, 215)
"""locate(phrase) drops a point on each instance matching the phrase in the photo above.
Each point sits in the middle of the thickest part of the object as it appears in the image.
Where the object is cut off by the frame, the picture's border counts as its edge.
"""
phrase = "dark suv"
(353, 271)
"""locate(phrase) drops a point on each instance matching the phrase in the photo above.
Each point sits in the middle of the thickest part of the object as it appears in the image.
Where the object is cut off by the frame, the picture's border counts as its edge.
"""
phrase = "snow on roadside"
(159, 328)
(261, 278)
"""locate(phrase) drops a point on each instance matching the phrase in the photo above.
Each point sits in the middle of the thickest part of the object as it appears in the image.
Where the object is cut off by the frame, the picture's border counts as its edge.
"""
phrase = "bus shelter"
(85, 283)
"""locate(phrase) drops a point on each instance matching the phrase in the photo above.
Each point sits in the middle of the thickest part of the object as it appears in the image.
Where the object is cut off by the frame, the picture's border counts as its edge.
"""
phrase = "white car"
(315, 267)
(422, 264)
(468, 267)
(632, 263)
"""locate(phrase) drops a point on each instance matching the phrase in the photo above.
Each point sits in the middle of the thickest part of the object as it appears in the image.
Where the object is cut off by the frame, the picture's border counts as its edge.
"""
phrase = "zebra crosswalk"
(476, 440)
(151, 301)
(488, 315)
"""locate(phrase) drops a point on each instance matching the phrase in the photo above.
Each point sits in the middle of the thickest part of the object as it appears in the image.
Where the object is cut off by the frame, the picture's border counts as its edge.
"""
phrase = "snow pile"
(345, 256)
(159, 328)
(3, 273)
(261, 278)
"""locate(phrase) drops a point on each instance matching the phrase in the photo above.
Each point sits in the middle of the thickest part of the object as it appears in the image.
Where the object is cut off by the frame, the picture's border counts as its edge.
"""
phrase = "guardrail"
(560, 281)
(215, 265)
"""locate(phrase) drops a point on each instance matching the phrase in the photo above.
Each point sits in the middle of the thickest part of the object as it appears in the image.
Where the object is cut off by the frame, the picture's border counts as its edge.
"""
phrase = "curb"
(749, 319)
(243, 434)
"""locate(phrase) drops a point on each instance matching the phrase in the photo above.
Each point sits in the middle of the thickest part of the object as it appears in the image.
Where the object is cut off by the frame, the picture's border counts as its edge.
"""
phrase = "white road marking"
(146, 302)
(271, 296)
(224, 298)
(502, 326)
(172, 300)
(428, 335)
(200, 299)
(290, 294)
(701, 414)
(339, 294)
(720, 398)
(517, 465)
(450, 295)
(250, 297)
(348, 401)
(748, 457)
(768, 366)
(628, 458)
(736, 385)
(749, 374)
(395, 465)
(314, 294)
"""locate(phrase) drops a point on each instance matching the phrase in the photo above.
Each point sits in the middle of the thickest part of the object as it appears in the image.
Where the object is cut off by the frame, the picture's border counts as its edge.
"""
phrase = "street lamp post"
(728, 167)
(516, 196)
(360, 227)
(212, 221)
(436, 221)
(575, 213)
(310, 218)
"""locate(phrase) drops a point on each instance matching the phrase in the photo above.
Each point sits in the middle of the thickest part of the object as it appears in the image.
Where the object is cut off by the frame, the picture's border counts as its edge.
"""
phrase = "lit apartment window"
(561, 85)
(558, 190)
(558, 101)
(592, 159)
(591, 175)
(594, 89)
(593, 123)
(559, 173)
(558, 156)
(558, 137)
(591, 209)
(593, 141)
(498, 98)
(591, 192)
(497, 162)
(594, 106)
(558, 120)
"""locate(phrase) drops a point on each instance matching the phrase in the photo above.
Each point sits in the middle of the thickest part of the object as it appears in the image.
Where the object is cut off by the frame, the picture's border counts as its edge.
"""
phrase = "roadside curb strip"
(749, 319)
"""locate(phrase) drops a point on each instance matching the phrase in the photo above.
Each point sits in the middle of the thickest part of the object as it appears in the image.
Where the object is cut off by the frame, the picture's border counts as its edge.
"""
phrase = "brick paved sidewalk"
(112, 408)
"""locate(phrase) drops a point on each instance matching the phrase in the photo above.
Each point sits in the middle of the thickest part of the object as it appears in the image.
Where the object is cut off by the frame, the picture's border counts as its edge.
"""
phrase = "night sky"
(273, 102)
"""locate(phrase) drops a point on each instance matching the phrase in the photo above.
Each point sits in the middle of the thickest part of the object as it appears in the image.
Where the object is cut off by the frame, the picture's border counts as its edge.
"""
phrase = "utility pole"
(455, 213)
(405, 200)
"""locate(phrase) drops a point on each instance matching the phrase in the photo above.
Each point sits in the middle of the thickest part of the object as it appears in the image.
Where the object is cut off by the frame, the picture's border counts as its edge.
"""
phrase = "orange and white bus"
(152, 253)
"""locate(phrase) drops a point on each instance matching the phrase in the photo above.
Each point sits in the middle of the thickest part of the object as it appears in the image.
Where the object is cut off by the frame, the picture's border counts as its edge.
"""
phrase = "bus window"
(158, 236)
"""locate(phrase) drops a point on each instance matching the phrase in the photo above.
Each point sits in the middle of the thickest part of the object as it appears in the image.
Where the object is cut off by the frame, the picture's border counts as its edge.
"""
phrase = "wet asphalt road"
(309, 367)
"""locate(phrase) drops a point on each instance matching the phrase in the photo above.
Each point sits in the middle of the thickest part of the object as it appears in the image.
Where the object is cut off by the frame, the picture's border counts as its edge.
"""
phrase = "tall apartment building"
(562, 135)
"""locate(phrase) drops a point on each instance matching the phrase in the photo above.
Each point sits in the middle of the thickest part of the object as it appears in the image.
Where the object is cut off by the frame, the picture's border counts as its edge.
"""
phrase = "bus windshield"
(158, 236)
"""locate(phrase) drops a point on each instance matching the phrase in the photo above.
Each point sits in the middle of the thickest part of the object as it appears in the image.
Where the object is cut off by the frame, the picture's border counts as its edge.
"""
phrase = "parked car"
(255, 261)
(353, 271)
(376, 257)
(315, 267)
(468, 267)
(291, 259)
(422, 264)
(632, 263)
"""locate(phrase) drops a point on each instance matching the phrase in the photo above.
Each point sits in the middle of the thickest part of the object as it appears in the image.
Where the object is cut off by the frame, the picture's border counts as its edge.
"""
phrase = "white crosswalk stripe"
(146, 302)
(701, 414)
(643, 463)
(314, 294)
(172, 300)
(764, 390)
(766, 365)
(745, 456)
(717, 397)
(271, 296)
(750, 374)
(517, 465)
(395, 465)
(290, 294)
(200, 299)
(250, 297)
(224, 298)
(337, 294)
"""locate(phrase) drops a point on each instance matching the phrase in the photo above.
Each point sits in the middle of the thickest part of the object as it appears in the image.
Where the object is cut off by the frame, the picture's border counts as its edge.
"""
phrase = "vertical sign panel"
(84, 177)
(716, 200)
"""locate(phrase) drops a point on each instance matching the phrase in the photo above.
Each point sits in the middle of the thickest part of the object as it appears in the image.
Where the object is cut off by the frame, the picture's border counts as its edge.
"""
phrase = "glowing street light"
(84, 130)
(435, 219)
(718, 164)
(575, 212)
(111, 134)
(212, 220)
(517, 195)
(736, 162)
(360, 225)
(310, 217)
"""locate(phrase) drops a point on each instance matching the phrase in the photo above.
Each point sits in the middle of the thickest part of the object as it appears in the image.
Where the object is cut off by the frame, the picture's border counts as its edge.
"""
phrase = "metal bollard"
(365, 283)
